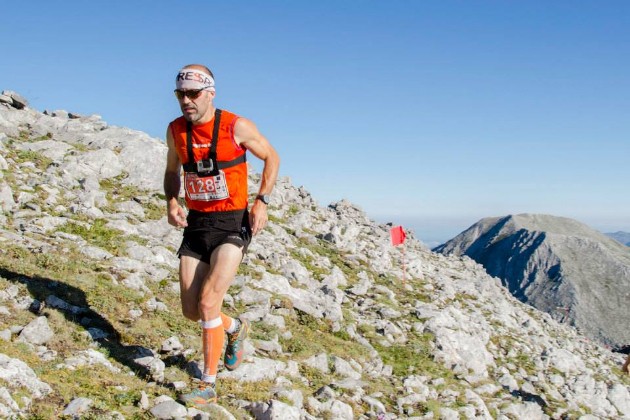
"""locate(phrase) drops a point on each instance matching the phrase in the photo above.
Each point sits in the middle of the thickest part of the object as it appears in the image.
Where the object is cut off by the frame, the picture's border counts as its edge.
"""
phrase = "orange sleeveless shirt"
(227, 149)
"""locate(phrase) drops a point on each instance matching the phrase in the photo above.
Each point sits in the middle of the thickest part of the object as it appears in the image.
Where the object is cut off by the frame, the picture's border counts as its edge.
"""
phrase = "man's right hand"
(176, 215)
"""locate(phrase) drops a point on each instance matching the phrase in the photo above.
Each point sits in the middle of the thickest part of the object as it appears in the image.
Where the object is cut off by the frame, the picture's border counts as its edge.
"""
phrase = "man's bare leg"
(203, 288)
(192, 273)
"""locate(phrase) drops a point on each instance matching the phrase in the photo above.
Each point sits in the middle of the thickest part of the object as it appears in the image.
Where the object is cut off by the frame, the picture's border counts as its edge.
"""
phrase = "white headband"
(191, 79)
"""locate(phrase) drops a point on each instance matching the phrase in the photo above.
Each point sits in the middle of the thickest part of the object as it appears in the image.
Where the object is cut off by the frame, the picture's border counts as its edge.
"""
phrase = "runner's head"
(194, 88)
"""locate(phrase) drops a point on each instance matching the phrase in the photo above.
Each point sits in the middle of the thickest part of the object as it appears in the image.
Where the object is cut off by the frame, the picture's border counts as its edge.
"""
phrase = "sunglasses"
(191, 94)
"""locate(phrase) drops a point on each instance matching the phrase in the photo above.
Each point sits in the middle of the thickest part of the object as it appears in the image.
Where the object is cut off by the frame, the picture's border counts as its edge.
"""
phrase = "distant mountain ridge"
(622, 237)
(557, 265)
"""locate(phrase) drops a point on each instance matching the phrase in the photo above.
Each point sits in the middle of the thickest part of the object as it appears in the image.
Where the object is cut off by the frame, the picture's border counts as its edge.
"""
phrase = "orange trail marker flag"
(398, 238)
(398, 235)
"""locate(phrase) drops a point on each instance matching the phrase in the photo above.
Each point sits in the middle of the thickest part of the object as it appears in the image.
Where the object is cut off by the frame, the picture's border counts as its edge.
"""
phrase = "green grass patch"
(412, 357)
(41, 162)
(275, 219)
(350, 269)
(250, 271)
(293, 210)
(98, 234)
(316, 378)
(312, 336)
(252, 391)
(308, 262)
(154, 210)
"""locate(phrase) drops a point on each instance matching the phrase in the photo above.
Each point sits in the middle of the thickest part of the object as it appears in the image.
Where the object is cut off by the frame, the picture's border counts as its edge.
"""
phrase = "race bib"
(207, 188)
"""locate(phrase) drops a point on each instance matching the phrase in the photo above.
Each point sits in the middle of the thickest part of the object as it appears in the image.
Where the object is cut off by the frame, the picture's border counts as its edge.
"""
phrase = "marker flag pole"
(403, 263)
(398, 236)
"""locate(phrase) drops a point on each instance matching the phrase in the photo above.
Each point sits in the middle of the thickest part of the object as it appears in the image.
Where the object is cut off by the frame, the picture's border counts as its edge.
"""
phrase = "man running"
(210, 145)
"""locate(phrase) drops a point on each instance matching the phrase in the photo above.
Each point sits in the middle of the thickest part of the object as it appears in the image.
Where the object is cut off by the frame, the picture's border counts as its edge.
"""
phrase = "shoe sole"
(204, 404)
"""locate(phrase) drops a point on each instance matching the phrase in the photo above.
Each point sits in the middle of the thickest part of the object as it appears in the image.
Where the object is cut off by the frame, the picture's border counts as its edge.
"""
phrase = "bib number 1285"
(207, 188)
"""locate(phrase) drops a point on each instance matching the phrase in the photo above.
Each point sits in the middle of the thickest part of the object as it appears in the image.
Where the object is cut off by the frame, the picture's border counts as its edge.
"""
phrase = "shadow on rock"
(72, 303)
(529, 397)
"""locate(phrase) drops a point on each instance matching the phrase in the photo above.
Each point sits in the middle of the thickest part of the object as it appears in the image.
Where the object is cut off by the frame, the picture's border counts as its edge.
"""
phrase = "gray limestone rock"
(6, 99)
(344, 368)
(96, 253)
(619, 396)
(17, 101)
(319, 362)
(5, 334)
(254, 370)
(169, 410)
(16, 372)
(37, 331)
(275, 410)
(8, 407)
(88, 358)
(77, 407)
(171, 345)
(7, 202)
(151, 362)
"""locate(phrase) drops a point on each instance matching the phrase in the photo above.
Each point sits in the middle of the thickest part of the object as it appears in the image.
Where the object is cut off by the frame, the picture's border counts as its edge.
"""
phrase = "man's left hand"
(258, 217)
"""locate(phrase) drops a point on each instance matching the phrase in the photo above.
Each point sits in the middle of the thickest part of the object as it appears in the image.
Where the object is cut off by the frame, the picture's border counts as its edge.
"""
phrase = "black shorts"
(206, 231)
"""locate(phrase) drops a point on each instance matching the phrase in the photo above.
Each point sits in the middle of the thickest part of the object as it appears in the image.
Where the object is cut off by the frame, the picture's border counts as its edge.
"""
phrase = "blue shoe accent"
(234, 349)
(203, 395)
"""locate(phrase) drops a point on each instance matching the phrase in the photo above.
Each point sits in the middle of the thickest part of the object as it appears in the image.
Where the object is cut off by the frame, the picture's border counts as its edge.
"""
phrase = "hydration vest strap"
(215, 136)
(191, 166)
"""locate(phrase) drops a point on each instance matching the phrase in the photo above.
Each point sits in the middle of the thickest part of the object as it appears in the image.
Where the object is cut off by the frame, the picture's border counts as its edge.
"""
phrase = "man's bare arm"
(172, 184)
(246, 134)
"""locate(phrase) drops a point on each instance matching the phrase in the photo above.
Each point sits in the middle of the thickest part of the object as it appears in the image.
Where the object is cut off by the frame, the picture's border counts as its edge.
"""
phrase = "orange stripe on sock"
(213, 339)
(227, 321)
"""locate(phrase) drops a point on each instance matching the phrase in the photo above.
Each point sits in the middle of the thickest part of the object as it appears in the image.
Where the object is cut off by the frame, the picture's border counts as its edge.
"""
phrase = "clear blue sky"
(432, 114)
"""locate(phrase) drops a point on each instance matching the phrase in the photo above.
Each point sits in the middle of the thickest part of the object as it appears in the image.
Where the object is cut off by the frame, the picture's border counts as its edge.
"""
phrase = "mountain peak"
(555, 262)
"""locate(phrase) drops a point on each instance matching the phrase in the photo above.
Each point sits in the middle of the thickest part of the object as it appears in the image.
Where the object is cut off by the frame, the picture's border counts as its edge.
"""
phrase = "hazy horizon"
(436, 231)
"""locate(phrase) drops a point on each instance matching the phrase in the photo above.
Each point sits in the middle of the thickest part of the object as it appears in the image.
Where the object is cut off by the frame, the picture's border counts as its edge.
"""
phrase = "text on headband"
(193, 79)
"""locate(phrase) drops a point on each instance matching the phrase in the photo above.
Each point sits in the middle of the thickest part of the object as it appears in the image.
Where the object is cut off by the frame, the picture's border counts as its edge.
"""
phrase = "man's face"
(195, 104)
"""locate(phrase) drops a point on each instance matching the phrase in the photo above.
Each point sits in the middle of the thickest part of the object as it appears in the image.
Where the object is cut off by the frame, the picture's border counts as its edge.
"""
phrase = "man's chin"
(191, 117)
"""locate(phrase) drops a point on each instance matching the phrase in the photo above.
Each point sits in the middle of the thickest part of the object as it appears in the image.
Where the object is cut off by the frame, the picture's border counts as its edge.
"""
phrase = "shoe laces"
(234, 336)
(205, 385)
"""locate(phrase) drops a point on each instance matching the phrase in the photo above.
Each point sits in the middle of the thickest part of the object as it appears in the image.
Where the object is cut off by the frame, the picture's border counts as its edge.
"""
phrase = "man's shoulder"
(178, 120)
(229, 115)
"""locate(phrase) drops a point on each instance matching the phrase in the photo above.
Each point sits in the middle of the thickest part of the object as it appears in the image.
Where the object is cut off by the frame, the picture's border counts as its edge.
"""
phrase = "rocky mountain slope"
(557, 265)
(89, 308)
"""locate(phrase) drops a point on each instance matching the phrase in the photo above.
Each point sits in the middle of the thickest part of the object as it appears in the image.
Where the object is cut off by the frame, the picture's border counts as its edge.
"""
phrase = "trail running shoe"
(204, 394)
(234, 349)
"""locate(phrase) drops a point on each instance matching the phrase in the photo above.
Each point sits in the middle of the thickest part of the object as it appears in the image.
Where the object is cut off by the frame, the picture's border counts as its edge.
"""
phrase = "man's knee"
(211, 303)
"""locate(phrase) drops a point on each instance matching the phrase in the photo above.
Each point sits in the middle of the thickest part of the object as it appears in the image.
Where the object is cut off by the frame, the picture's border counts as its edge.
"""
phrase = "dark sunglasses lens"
(192, 94)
